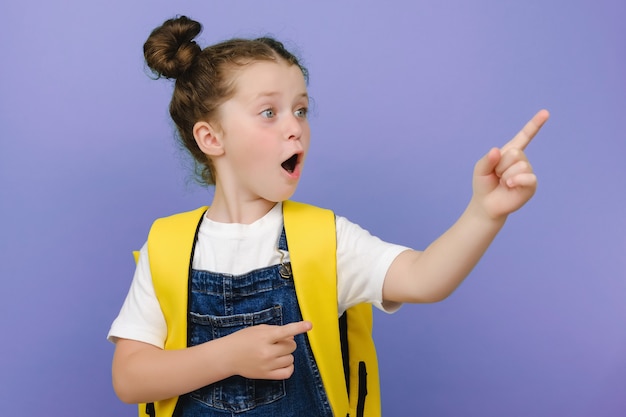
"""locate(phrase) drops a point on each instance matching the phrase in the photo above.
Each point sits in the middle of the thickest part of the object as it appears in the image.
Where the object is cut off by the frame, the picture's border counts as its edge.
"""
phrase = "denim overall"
(221, 304)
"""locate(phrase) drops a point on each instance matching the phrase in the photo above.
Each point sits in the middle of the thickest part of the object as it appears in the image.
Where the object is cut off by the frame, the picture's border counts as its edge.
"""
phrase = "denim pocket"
(236, 393)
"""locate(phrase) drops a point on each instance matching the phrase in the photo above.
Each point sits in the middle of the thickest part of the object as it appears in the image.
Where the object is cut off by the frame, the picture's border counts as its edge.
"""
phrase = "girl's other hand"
(265, 351)
(504, 179)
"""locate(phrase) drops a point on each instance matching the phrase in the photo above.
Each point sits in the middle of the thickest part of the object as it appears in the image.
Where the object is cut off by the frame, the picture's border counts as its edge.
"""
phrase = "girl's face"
(265, 132)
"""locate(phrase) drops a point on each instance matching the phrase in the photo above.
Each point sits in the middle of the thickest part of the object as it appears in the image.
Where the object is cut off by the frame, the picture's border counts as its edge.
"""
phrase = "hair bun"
(170, 49)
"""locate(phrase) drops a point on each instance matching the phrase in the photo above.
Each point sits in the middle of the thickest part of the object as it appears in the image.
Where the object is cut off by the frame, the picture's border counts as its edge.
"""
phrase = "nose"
(293, 127)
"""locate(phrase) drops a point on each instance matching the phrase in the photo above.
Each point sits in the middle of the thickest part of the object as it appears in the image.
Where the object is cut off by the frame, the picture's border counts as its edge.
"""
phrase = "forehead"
(268, 77)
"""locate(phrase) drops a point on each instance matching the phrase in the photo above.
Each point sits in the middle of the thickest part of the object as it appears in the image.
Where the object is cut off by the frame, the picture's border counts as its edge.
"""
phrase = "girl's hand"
(503, 179)
(265, 351)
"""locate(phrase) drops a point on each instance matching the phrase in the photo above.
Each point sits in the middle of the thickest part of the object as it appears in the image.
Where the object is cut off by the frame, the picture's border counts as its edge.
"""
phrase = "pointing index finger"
(528, 132)
(292, 329)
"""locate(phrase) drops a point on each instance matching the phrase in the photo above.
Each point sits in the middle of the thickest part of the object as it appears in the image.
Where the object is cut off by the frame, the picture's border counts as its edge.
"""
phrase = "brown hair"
(203, 76)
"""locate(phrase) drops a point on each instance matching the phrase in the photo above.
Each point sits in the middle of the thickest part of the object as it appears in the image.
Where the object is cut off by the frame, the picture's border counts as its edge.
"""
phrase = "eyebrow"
(274, 93)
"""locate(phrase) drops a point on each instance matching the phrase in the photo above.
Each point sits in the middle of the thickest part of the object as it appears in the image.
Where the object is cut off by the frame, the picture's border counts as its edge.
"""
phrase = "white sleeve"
(141, 317)
(362, 263)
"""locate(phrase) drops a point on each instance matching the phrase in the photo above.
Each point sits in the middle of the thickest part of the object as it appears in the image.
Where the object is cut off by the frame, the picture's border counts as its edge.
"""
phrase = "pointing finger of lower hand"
(292, 329)
(528, 132)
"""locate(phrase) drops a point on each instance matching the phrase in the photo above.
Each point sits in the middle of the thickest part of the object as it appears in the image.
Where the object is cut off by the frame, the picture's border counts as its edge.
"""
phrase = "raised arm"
(503, 182)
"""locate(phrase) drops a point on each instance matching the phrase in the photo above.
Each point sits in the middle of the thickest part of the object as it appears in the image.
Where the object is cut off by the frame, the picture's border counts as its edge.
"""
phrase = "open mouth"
(290, 164)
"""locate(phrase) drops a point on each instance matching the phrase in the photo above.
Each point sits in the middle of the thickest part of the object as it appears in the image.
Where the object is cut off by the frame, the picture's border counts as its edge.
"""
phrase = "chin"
(280, 197)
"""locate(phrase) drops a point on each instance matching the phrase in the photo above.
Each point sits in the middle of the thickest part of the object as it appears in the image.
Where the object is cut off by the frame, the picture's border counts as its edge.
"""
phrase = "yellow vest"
(311, 238)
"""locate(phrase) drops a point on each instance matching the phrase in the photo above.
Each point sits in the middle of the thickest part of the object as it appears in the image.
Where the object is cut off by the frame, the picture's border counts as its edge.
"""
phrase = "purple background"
(407, 96)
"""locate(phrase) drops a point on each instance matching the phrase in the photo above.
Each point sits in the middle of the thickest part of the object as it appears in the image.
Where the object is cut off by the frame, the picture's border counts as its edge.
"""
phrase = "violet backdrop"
(407, 96)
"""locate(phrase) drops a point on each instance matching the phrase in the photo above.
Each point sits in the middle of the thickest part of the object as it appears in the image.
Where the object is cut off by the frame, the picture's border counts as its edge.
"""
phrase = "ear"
(208, 139)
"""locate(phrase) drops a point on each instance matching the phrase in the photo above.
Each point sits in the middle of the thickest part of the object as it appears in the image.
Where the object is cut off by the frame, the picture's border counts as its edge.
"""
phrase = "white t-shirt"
(233, 248)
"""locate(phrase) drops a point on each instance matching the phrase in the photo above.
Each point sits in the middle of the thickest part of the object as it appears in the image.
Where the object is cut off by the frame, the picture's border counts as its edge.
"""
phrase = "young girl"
(240, 107)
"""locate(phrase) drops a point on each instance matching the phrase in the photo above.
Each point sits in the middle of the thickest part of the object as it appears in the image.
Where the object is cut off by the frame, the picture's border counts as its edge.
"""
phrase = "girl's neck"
(231, 209)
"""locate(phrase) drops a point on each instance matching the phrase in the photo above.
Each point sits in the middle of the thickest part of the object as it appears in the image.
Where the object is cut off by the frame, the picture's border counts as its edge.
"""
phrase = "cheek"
(260, 152)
